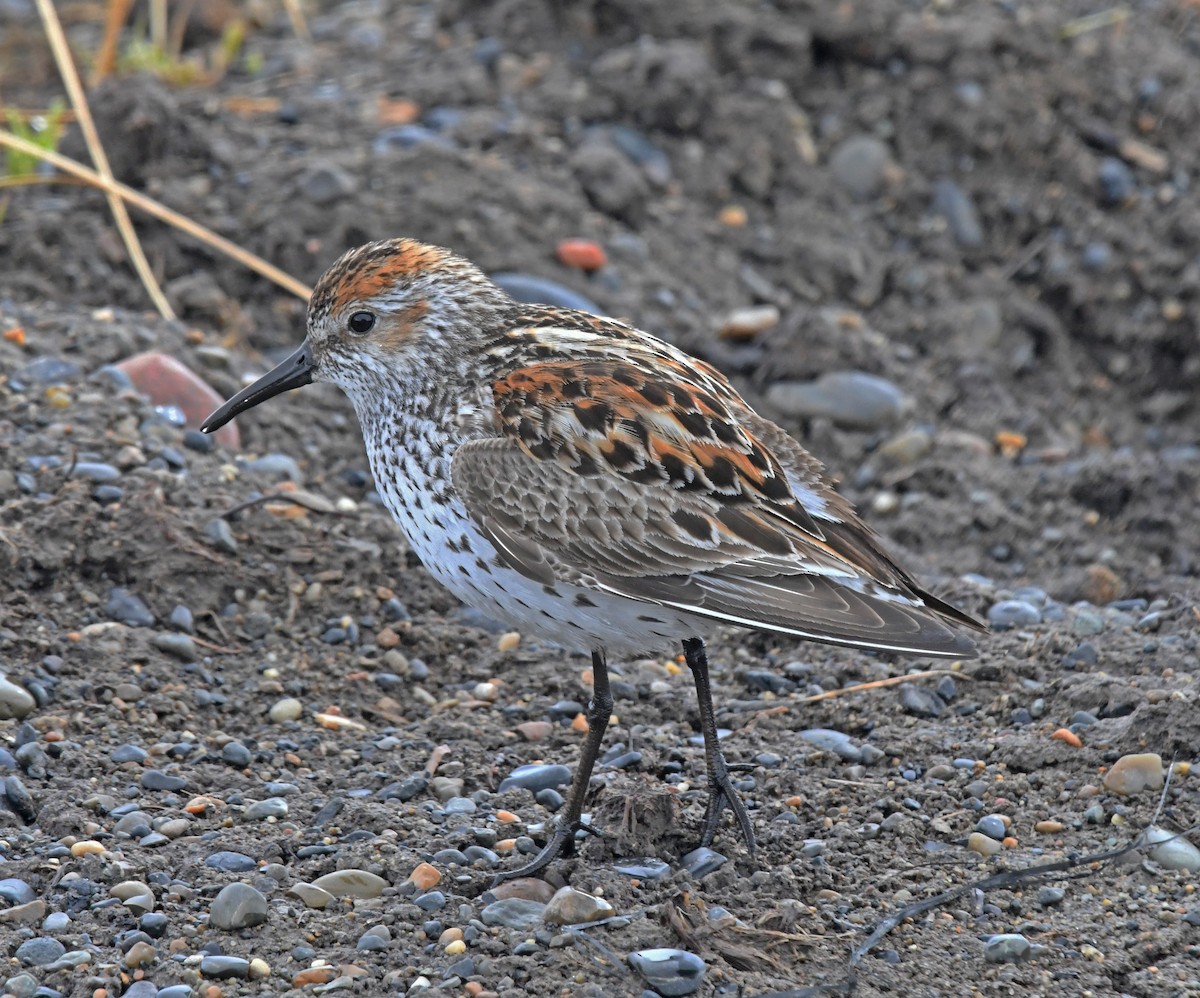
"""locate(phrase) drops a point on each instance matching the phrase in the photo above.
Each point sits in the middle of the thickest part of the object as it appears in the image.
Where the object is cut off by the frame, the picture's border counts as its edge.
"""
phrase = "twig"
(161, 212)
(296, 16)
(66, 68)
(106, 57)
(880, 683)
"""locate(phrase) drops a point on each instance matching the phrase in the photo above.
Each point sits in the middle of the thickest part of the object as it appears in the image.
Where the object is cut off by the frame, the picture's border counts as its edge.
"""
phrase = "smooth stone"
(181, 617)
(646, 868)
(850, 399)
(95, 472)
(230, 862)
(670, 972)
(156, 779)
(237, 906)
(221, 968)
(15, 701)
(179, 645)
(154, 924)
(352, 883)
(1009, 947)
(702, 861)
(127, 608)
(830, 740)
(1115, 181)
(571, 907)
(135, 895)
(514, 913)
(21, 986)
(219, 534)
(921, 701)
(312, 896)
(272, 807)
(176, 991)
(1172, 852)
(47, 370)
(992, 825)
(1011, 613)
(287, 709)
(535, 777)
(859, 166)
(985, 845)
(541, 291)
(129, 753)
(40, 951)
(1049, 896)
(956, 207)
(16, 891)
(56, 921)
(1131, 774)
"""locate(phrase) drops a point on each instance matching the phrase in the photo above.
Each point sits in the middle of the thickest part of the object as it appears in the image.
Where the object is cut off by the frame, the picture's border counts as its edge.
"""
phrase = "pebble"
(703, 861)
(582, 254)
(425, 876)
(156, 779)
(127, 608)
(47, 370)
(154, 924)
(1011, 613)
(669, 971)
(230, 862)
(535, 777)
(859, 165)
(219, 534)
(140, 953)
(514, 913)
(1049, 896)
(1087, 622)
(1115, 181)
(851, 399)
(993, 826)
(135, 895)
(15, 701)
(572, 907)
(352, 883)
(169, 382)
(40, 951)
(541, 291)
(325, 183)
(746, 323)
(21, 986)
(1009, 947)
(221, 968)
(16, 891)
(181, 619)
(985, 845)
(376, 938)
(1131, 774)
(272, 807)
(647, 868)
(179, 645)
(96, 472)
(288, 709)
(237, 906)
(311, 895)
(956, 207)
(920, 701)
(830, 740)
(1171, 852)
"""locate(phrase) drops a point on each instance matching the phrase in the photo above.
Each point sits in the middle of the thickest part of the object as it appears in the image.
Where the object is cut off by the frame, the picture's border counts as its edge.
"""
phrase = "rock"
(582, 254)
(40, 951)
(219, 534)
(669, 971)
(1011, 613)
(167, 381)
(702, 861)
(135, 895)
(15, 891)
(237, 906)
(542, 291)
(425, 876)
(179, 645)
(534, 731)
(21, 986)
(1115, 182)
(526, 888)
(985, 845)
(956, 207)
(138, 954)
(921, 701)
(860, 165)
(288, 709)
(156, 779)
(221, 968)
(32, 912)
(993, 826)
(535, 777)
(95, 472)
(127, 608)
(1174, 853)
(352, 883)
(230, 862)
(851, 399)
(837, 742)
(44, 371)
(1047, 897)
(571, 907)
(15, 701)
(1131, 774)
(272, 807)
(325, 183)
(746, 323)
(311, 895)
(612, 183)
(1010, 947)
(514, 913)
(643, 868)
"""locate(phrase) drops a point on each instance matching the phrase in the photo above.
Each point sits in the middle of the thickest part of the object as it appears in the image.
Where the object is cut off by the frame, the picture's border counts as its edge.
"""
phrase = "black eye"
(361, 322)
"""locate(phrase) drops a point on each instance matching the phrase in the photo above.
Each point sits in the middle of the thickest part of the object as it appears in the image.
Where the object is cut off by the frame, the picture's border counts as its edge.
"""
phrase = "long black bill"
(295, 372)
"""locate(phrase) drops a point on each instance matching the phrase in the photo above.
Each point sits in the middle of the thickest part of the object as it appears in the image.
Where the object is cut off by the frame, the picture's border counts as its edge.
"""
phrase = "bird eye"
(361, 322)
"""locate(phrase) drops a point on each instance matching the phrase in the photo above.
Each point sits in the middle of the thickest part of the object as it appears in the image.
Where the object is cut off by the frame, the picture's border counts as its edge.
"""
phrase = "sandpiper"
(588, 483)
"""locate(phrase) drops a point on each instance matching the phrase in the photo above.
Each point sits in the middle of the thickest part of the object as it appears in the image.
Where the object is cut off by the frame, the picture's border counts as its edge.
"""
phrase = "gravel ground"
(248, 747)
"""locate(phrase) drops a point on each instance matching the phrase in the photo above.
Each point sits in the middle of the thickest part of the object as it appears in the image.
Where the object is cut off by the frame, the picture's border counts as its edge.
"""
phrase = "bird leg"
(721, 791)
(563, 840)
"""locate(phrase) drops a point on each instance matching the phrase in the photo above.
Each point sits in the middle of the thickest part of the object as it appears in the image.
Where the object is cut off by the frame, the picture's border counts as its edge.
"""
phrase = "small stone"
(168, 382)
(138, 954)
(259, 969)
(288, 709)
(702, 861)
(311, 895)
(1131, 774)
(1087, 622)
(830, 740)
(15, 701)
(1048, 827)
(21, 986)
(1115, 181)
(352, 883)
(219, 534)
(230, 862)
(646, 868)
(237, 906)
(860, 165)
(127, 608)
(1047, 897)
(1171, 851)
(746, 323)
(535, 777)
(920, 701)
(993, 826)
(850, 399)
(32, 912)
(985, 845)
(581, 254)
(96, 472)
(156, 779)
(669, 972)
(135, 895)
(325, 183)
(514, 913)
(1013, 613)
(572, 907)
(956, 207)
(272, 807)
(16, 891)
(40, 951)
(425, 876)
(87, 847)
(525, 888)
(221, 968)
(181, 619)
(534, 731)
(1010, 947)
(179, 645)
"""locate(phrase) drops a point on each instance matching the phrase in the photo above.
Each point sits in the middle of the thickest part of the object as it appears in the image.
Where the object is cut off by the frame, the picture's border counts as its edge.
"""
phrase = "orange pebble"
(1009, 842)
(795, 801)
(424, 876)
(1068, 736)
(506, 845)
(1010, 442)
(314, 975)
(579, 724)
(507, 817)
(15, 335)
(733, 215)
(473, 988)
(582, 254)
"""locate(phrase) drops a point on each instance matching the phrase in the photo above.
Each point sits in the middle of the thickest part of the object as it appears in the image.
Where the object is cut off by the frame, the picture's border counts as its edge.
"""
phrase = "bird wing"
(659, 484)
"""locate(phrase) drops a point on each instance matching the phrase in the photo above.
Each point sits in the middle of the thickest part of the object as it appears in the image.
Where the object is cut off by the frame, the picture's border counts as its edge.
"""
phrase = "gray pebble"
(272, 807)
(992, 825)
(237, 906)
(646, 868)
(176, 991)
(1087, 622)
(181, 619)
(851, 399)
(56, 921)
(283, 465)
(15, 701)
(21, 986)
(1009, 947)
(956, 207)
(535, 777)
(460, 805)
(1094, 815)
(230, 862)
(129, 753)
(221, 968)
(837, 742)
(179, 645)
(47, 371)
(1115, 181)
(514, 913)
(129, 609)
(1013, 613)
(156, 779)
(921, 701)
(432, 901)
(703, 861)
(325, 183)
(1048, 896)
(669, 971)
(218, 533)
(859, 165)
(41, 951)
(95, 472)
(236, 754)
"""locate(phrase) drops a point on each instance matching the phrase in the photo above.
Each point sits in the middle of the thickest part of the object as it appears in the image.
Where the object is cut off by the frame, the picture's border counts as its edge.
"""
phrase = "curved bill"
(295, 372)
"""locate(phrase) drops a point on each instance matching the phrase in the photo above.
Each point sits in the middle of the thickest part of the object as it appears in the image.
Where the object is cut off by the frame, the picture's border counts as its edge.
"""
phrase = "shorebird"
(588, 483)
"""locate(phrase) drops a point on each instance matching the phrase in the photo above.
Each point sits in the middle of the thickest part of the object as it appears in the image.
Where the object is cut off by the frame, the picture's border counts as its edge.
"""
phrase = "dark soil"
(1023, 266)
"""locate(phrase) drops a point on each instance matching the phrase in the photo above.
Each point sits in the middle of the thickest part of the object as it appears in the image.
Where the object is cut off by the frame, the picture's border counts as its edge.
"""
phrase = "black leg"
(720, 788)
(599, 711)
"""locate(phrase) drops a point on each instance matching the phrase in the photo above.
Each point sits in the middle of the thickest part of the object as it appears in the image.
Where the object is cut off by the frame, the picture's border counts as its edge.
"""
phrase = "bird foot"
(722, 794)
(561, 843)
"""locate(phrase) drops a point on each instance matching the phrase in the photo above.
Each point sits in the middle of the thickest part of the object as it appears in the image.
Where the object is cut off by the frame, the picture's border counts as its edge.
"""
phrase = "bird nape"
(590, 484)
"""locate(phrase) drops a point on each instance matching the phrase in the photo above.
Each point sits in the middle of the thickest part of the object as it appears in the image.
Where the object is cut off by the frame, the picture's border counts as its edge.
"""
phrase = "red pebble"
(582, 254)
(167, 381)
